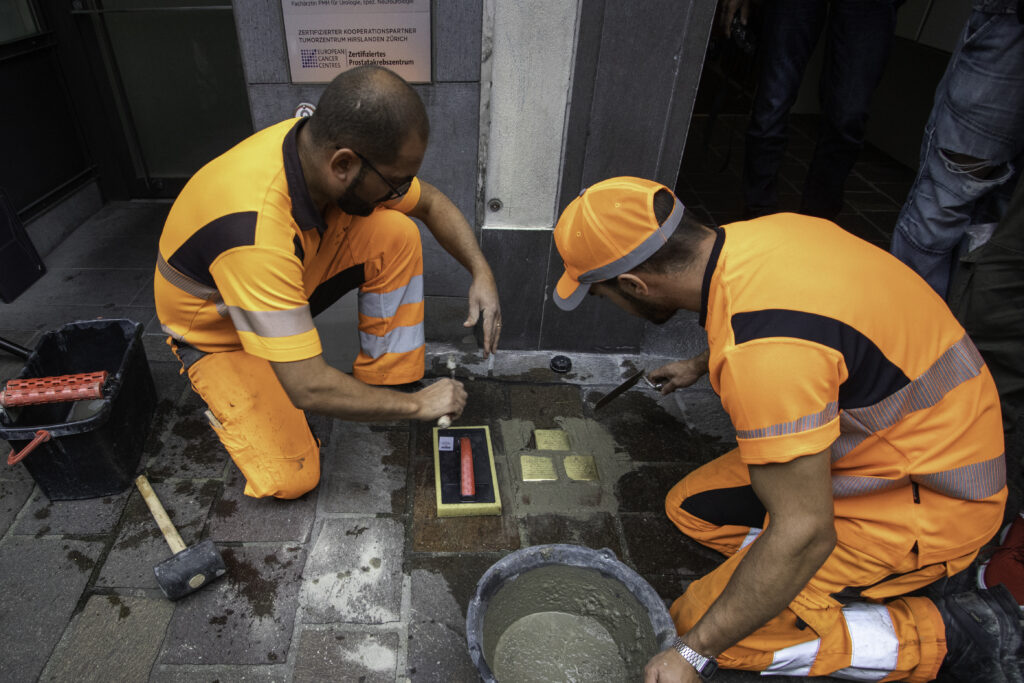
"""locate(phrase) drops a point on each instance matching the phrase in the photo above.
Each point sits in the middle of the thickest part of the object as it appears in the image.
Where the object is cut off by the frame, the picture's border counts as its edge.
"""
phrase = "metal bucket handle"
(41, 436)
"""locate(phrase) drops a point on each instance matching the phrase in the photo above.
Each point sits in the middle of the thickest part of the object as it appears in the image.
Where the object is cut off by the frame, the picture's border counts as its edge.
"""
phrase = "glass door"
(175, 71)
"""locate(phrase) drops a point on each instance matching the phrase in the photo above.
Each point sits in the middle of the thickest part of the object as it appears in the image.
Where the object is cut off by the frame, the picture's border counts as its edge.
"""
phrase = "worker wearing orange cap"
(869, 466)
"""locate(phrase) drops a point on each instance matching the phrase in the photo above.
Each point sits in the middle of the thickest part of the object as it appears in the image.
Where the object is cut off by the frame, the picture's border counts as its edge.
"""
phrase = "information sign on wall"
(326, 37)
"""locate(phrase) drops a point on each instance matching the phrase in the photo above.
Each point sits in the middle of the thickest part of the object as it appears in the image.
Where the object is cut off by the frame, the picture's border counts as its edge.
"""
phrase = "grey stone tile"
(519, 259)
(441, 590)
(364, 471)
(354, 572)
(113, 639)
(222, 673)
(237, 517)
(13, 494)
(88, 286)
(42, 582)
(120, 235)
(185, 444)
(648, 432)
(272, 102)
(346, 655)
(456, 39)
(90, 516)
(644, 489)
(261, 41)
(139, 546)
(246, 617)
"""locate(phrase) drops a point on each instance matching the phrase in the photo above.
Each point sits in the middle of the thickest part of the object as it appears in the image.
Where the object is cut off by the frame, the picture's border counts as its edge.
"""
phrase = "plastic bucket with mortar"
(565, 613)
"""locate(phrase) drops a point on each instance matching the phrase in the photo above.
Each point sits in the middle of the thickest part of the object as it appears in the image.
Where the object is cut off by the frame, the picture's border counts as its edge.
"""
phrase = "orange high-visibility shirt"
(819, 339)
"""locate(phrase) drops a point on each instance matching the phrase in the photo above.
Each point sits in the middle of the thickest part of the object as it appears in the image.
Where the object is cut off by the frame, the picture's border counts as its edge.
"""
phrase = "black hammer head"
(189, 570)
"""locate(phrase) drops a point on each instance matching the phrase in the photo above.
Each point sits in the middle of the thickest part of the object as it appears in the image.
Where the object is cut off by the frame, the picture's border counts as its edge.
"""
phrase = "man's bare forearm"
(765, 582)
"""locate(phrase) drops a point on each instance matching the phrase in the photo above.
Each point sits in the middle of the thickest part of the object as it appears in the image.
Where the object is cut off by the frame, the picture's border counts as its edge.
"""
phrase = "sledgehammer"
(189, 569)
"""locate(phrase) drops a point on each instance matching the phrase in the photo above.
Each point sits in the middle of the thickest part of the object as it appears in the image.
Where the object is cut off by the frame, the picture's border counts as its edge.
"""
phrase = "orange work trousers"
(884, 635)
(269, 438)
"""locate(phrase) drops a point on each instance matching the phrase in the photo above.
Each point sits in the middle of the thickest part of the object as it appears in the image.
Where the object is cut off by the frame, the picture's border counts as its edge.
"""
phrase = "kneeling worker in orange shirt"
(870, 466)
(274, 231)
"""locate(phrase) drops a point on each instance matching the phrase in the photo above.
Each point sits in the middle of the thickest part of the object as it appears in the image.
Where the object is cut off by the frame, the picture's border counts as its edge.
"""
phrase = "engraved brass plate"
(538, 468)
(580, 467)
(551, 439)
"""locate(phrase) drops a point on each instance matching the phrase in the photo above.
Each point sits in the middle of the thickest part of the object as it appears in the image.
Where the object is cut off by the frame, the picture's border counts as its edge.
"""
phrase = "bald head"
(371, 110)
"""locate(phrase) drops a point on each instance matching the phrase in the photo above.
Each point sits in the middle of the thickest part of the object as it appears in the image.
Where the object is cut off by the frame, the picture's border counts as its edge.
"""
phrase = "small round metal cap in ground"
(561, 364)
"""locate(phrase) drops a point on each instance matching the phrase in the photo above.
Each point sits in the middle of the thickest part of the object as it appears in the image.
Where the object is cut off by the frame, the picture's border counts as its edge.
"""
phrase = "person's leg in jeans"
(789, 32)
(858, 37)
(974, 134)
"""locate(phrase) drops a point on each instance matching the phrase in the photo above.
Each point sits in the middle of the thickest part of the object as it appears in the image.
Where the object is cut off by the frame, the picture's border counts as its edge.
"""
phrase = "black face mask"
(353, 205)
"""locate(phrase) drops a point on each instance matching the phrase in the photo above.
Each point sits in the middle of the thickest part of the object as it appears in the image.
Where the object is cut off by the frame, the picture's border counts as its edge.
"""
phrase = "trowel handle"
(171, 534)
(467, 478)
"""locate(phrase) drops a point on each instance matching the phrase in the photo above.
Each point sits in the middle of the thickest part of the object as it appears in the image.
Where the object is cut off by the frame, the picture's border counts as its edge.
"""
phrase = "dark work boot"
(983, 637)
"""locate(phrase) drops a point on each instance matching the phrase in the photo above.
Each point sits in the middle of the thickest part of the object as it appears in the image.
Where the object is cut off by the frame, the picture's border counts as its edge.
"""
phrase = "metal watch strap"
(705, 666)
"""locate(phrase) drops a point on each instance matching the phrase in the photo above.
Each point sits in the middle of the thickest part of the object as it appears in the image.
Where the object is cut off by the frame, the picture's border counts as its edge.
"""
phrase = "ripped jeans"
(972, 149)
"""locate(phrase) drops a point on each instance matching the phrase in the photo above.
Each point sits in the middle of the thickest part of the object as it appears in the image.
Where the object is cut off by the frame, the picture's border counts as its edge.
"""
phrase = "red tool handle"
(36, 390)
(41, 436)
(468, 480)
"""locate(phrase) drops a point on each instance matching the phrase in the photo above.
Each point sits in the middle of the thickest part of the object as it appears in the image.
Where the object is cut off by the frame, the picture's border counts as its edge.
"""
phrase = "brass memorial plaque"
(551, 439)
(538, 468)
(581, 467)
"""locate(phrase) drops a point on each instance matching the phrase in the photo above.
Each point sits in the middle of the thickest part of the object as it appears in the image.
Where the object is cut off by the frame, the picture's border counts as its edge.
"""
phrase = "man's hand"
(730, 9)
(444, 397)
(483, 299)
(452, 231)
(668, 667)
(681, 373)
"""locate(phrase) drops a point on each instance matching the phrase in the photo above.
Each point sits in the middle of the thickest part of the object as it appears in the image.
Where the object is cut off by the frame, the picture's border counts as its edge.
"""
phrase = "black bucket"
(574, 582)
(94, 446)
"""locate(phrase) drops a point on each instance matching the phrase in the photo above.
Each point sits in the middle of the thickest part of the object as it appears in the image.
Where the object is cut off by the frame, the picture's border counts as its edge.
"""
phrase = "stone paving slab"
(364, 471)
(649, 433)
(656, 546)
(595, 531)
(442, 587)
(43, 580)
(165, 673)
(431, 533)
(240, 518)
(543, 404)
(13, 495)
(346, 656)
(89, 286)
(354, 572)
(139, 545)
(186, 447)
(76, 517)
(644, 489)
(246, 617)
(114, 639)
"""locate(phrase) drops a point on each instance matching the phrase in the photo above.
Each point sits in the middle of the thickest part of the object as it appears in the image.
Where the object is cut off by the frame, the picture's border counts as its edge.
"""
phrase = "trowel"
(624, 387)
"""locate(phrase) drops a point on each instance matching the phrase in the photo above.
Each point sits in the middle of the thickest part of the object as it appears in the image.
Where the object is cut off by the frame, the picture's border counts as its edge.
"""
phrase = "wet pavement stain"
(251, 584)
(357, 531)
(42, 513)
(83, 562)
(124, 610)
(225, 507)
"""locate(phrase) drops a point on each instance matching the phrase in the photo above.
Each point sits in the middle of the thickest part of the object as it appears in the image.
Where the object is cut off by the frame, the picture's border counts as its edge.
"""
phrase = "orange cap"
(607, 231)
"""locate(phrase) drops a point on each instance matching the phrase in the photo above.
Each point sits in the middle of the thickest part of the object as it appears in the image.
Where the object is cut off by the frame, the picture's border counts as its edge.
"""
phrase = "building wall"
(529, 99)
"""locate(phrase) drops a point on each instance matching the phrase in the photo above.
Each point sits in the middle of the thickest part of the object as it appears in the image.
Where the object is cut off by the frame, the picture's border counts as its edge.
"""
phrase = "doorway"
(172, 72)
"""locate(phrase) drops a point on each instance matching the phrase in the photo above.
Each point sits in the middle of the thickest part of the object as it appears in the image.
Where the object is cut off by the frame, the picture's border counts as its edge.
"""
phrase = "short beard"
(654, 314)
(350, 203)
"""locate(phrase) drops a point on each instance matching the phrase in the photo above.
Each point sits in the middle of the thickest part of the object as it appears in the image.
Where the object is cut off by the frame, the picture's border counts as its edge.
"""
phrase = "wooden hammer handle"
(171, 534)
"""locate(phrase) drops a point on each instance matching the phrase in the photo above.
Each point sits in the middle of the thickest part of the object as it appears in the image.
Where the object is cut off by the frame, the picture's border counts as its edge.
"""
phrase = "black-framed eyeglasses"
(396, 192)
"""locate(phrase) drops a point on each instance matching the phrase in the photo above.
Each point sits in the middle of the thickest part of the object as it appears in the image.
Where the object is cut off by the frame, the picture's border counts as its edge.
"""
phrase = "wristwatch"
(705, 666)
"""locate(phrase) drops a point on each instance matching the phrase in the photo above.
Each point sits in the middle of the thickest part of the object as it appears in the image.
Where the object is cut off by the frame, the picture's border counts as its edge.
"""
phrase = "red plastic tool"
(468, 480)
(36, 390)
